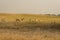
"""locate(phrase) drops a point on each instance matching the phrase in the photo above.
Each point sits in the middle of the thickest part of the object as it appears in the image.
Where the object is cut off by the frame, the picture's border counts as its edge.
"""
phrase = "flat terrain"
(30, 35)
(29, 27)
(30, 17)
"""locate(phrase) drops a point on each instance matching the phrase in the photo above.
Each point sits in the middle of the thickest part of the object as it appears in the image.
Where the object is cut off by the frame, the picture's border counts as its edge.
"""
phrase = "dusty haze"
(30, 6)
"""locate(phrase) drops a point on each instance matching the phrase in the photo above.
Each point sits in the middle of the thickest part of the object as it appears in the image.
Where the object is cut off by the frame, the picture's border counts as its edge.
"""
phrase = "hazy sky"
(30, 6)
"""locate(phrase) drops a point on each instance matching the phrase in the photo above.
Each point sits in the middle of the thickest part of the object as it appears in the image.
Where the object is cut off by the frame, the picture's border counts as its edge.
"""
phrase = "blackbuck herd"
(23, 19)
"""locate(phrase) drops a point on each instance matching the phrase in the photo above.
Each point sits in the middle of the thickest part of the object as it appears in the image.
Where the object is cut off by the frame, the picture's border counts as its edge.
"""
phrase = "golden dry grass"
(37, 35)
(28, 17)
(8, 34)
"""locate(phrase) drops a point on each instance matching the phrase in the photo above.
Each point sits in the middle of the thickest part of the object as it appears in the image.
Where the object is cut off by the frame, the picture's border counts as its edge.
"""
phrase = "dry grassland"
(29, 27)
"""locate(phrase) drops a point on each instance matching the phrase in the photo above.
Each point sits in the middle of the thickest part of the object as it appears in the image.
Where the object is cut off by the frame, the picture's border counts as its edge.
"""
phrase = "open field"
(29, 27)
(30, 35)
(30, 17)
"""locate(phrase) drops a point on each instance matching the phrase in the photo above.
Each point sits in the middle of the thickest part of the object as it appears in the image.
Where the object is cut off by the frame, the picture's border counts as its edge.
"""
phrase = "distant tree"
(48, 14)
(58, 15)
(53, 14)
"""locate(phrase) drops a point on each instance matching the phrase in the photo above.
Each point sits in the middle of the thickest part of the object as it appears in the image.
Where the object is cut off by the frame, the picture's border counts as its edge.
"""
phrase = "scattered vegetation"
(32, 25)
(29, 27)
